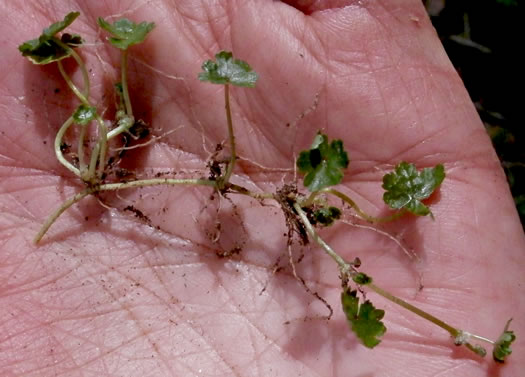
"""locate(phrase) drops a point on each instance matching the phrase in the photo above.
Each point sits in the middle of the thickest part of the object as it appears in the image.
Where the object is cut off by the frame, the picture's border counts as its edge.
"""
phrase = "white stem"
(156, 182)
(58, 144)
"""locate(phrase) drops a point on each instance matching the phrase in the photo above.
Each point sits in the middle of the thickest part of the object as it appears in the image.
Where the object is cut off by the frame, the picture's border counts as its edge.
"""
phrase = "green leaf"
(406, 187)
(84, 114)
(119, 89)
(364, 319)
(323, 164)
(227, 70)
(324, 216)
(46, 48)
(502, 346)
(53, 29)
(362, 279)
(125, 32)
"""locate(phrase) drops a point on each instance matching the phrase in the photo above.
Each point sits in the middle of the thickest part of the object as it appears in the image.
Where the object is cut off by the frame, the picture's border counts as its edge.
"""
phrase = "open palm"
(110, 294)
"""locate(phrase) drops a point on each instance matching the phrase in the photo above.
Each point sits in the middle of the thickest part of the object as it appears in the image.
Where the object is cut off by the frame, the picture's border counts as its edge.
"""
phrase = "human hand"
(107, 294)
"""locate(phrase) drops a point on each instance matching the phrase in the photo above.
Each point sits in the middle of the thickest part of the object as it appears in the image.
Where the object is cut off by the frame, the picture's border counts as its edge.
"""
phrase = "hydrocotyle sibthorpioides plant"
(323, 166)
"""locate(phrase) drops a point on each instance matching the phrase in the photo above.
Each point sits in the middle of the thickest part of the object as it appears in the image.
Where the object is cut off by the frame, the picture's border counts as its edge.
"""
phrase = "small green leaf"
(324, 216)
(364, 319)
(406, 187)
(227, 70)
(84, 114)
(323, 164)
(118, 88)
(125, 32)
(502, 346)
(362, 279)
(53, 29)
(46, 48)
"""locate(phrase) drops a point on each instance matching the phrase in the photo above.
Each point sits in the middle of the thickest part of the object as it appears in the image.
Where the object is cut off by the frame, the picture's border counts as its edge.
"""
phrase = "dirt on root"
(286, 197)
(138, 214)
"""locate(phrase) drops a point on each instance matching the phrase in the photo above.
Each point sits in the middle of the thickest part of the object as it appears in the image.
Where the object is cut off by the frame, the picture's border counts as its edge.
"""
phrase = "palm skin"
(106, 294)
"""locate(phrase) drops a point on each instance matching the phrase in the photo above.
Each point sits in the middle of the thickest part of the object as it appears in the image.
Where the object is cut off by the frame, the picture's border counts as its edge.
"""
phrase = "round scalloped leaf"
(323, 163)
(406, 187)
(227, 70)
(47, 48)
(60, 25)
(364, 320)
(126, 33)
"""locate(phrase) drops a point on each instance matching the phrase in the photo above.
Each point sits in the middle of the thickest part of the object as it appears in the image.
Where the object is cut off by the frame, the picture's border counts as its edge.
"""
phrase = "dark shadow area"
(482, 39)
(310, 6)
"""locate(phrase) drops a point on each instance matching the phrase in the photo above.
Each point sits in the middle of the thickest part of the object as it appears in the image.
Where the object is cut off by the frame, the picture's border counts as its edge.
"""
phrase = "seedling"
(225, 71)
(323, 166)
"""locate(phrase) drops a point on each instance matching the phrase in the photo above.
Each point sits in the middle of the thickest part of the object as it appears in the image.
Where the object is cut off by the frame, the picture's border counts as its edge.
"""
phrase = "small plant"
(323, 166)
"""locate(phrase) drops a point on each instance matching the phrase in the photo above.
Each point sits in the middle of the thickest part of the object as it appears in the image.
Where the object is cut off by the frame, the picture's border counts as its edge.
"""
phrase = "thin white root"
(262, 167)
(305, 286)
(411, 254)
(151, 141)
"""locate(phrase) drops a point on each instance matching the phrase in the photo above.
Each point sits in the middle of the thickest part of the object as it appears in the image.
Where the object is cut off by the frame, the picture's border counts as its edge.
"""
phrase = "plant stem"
(482, 338)
(85, 76)
(429, 317)
(360, 212)
(58, 144)
(156, 182)
(112, 187)
(84, 99)
(55, 215)
(347, 269)
(124, 79)
(72, 85)
(81, 160)
(231, 136)
(343, 265)
(95, 156)
(243, 191)
(124, 124)
(102, 145)
(460, 337)
(83, 69)
(310, 200)
(99, 152)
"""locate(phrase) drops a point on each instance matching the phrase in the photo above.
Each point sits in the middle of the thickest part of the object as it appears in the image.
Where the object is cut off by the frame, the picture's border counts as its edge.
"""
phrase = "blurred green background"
(482, 39)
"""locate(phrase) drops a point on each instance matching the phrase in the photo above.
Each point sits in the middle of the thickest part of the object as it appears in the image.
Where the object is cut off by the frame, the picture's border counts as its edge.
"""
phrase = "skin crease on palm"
(106, 294)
